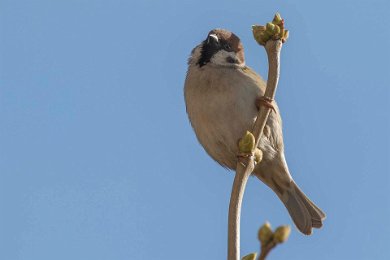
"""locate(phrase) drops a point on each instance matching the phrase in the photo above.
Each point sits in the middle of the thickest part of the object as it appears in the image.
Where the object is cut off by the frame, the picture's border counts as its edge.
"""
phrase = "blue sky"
(98, 160)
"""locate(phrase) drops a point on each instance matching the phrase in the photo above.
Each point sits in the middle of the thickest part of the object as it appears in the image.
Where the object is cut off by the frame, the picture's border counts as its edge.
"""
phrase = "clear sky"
(98, 159)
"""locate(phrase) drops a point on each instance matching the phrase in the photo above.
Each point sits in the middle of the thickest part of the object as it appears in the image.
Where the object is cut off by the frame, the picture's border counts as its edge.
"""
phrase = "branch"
(272, 39)
(270, 239)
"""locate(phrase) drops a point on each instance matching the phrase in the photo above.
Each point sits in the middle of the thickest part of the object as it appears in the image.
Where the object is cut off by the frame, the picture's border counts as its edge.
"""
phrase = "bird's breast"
(221, 107)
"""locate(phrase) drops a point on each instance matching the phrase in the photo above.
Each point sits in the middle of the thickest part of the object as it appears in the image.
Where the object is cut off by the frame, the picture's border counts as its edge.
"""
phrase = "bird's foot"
(257, 155)
(244, 157)
(266, 102)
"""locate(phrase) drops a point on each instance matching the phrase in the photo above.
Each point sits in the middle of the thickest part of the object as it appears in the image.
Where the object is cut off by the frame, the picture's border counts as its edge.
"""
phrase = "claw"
(266, 102)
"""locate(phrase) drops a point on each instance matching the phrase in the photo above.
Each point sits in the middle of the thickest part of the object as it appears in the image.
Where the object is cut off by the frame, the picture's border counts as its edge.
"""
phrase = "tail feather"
(315, 211)
(305, 214)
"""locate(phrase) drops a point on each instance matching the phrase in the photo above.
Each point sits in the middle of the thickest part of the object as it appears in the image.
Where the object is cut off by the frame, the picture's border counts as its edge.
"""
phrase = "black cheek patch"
(208, 50)
(231, 60)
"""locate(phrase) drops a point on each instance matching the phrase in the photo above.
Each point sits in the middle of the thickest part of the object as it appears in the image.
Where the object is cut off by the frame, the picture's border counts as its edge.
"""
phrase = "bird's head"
(221, 48)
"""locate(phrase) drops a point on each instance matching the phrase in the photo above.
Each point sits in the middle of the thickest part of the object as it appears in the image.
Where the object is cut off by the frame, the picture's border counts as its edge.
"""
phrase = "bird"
(223, 97)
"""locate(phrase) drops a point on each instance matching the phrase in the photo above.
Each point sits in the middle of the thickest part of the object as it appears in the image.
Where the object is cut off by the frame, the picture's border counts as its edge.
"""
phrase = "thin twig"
(265, 250)
(245, 165)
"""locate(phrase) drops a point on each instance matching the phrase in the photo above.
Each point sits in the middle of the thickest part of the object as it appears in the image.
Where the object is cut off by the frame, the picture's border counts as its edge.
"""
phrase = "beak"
(213, 38)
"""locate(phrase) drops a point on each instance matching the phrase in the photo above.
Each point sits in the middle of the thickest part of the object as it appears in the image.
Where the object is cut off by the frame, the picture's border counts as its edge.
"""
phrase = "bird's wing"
(260, 82)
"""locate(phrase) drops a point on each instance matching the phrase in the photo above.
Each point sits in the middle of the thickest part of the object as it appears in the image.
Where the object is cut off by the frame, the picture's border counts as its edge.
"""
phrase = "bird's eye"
(227, 47)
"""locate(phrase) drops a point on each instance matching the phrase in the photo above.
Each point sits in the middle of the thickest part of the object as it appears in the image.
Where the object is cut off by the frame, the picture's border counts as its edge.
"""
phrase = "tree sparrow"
(222, 97)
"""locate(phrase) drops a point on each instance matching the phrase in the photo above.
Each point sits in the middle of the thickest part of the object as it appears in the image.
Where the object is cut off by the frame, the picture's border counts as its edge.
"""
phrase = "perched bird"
(222, 98)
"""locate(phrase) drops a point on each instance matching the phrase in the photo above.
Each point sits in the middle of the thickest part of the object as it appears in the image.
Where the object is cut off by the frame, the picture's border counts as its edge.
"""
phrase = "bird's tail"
(305, 214)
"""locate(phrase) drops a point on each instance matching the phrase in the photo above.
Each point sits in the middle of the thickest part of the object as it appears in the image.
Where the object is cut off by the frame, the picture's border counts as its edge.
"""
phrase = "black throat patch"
(207, 52)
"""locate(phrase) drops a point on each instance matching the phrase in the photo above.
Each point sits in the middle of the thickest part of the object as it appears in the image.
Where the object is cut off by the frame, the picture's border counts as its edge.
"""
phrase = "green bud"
(265, 38)
(261, 40)
(247, 143)
(258, 29)
(276, 31)
(265, 233)
(258, 34)
(258, 155)
(267, 35)
(250, 257)
(277, 19)
(273, 30)
(270, 27)
(281, 234)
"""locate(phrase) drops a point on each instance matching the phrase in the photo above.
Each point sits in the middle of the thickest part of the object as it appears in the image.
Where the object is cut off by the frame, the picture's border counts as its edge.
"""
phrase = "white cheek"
(220, 58)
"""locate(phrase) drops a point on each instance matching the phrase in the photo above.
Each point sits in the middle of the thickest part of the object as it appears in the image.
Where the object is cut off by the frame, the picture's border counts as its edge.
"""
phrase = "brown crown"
(232, 39)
